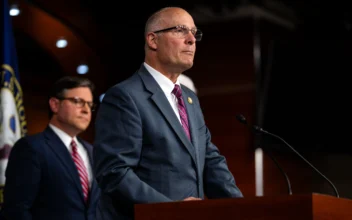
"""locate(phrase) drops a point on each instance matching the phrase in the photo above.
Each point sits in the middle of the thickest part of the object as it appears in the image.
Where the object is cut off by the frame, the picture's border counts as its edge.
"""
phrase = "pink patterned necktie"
(82, 170)
(182, 109)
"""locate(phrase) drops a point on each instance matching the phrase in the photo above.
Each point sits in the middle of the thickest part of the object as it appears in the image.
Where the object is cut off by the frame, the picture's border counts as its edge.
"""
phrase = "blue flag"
(12, 118)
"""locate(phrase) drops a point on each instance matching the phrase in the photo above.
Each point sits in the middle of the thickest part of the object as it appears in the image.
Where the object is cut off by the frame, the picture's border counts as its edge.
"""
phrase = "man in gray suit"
(151, 143)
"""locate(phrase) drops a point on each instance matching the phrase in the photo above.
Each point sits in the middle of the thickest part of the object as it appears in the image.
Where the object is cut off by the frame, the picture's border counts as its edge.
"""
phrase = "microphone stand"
(243, 120)
(315, 169)
(289, 188)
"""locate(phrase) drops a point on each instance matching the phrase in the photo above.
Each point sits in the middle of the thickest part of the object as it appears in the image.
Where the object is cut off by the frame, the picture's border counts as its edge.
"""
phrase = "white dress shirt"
(67, 139)
(167, 86)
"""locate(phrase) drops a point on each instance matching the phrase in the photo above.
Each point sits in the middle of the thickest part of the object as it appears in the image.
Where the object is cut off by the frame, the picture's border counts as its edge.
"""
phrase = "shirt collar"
(165, 83)
(65, 138)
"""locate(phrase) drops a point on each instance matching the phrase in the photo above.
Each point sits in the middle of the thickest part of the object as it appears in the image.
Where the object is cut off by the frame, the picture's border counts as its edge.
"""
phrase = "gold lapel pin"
(190, 101)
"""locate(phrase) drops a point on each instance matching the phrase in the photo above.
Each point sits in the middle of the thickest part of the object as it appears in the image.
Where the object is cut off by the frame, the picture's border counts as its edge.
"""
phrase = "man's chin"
(82, 128)
(181, 67)
(187, 66)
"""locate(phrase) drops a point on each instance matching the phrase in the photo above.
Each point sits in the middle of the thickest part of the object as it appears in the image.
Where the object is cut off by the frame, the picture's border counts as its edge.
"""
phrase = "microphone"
(259, 129)
(256, 129)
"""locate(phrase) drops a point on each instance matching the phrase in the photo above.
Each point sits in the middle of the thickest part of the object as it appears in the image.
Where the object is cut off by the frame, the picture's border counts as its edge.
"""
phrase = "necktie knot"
(177, 91)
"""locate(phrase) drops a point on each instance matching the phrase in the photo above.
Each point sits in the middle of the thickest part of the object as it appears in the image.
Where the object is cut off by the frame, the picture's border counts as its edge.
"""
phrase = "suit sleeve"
(218, 180)
(22, 181)
(117, 150)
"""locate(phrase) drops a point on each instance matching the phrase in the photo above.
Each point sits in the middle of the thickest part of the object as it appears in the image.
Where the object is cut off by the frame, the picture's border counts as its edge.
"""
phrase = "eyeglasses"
(80, 102)
(182, 31)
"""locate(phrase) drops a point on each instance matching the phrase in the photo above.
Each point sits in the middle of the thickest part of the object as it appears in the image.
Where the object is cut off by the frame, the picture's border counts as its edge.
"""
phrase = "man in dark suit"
(151, 143)
(49, 175)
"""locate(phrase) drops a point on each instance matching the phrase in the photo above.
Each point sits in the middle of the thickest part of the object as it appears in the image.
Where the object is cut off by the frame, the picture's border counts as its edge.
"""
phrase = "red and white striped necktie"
(182, 110)
(82, 170)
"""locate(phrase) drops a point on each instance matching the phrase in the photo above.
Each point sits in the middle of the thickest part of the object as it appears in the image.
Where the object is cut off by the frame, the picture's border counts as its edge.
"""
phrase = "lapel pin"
(189, 100)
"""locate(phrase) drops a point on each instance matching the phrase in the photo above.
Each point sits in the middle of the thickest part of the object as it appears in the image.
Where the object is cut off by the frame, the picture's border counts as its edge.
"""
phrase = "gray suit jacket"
(142, 154)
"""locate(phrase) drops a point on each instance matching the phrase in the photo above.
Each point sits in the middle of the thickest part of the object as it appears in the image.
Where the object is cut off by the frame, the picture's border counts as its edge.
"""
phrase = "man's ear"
(54, 104)
(151, 40)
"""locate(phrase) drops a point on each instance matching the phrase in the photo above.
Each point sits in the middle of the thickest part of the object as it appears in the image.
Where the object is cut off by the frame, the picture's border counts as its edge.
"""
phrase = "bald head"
(169, 43)
(158, 20)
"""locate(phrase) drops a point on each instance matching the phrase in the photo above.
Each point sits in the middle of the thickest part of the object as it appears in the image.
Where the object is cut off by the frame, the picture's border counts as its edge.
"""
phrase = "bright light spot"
(82, 69)
(61, 43)
(14, 11)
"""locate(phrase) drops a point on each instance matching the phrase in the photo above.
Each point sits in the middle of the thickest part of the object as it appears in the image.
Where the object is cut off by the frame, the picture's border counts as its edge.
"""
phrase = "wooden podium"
(301, 207)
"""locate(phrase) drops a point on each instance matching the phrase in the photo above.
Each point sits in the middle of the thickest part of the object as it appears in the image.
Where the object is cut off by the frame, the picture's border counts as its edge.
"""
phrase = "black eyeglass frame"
(79, 102)
(198, 34)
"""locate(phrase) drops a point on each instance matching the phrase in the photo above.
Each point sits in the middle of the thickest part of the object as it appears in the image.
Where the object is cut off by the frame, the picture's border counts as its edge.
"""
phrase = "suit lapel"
(191, 121)
(163, 104)
(55, 143)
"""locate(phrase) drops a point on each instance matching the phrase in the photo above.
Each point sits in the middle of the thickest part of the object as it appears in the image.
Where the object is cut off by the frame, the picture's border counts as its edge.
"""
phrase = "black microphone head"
(241, 119)
(257, 129)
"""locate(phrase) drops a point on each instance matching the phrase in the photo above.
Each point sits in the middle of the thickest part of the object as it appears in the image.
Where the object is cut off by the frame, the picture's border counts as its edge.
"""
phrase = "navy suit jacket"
(42, 181)
(142, 154)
